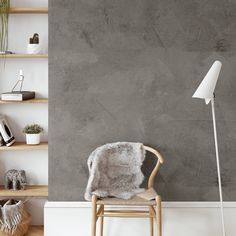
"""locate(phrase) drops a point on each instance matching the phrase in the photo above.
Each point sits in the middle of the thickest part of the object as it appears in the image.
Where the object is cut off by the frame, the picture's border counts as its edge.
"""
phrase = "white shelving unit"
(27, 17)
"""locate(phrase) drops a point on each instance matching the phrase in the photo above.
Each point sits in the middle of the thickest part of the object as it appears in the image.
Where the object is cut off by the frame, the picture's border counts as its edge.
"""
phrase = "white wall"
(21, 27)
(179, 219)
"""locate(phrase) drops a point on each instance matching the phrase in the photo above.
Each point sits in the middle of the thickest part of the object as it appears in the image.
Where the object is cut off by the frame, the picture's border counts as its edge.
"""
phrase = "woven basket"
(22, 228)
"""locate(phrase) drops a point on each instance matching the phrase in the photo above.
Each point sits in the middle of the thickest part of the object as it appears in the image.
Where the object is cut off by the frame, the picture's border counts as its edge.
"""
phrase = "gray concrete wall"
(125, 70)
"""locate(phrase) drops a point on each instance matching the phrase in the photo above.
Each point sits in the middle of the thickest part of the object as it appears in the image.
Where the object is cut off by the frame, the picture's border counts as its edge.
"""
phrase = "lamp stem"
(218, 165)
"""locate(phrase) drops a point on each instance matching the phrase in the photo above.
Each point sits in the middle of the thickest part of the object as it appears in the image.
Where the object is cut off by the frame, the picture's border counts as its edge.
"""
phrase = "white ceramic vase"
(33, 139)
(34, 49)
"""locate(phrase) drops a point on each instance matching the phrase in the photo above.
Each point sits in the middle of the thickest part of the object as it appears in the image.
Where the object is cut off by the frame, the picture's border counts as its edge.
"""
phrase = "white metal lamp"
(206, 91)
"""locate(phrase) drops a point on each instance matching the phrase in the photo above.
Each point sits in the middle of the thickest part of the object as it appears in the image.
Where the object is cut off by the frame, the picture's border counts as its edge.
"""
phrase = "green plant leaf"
(4, 16)
(32, 129)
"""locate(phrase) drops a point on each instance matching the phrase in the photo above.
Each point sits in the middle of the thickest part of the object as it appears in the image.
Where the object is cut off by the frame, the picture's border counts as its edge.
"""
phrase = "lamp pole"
(218, 163)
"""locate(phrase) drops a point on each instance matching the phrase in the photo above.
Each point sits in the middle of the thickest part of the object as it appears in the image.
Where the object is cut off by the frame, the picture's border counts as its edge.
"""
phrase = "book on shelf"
(17, 95)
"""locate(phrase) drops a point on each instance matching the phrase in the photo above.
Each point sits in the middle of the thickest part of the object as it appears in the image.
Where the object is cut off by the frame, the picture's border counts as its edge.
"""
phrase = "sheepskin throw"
(115, 170)
(10, 215)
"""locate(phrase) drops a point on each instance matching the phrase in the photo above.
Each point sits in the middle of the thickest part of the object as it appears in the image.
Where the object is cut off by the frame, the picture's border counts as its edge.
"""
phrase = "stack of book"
(17, 95)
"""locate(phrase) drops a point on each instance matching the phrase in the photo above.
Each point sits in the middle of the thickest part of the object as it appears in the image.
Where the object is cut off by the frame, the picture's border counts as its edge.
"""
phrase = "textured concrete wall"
(125, 70)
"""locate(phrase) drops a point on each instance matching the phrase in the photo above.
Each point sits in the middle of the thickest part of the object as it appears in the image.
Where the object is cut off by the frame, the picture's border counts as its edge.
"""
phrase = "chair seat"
(134, 201)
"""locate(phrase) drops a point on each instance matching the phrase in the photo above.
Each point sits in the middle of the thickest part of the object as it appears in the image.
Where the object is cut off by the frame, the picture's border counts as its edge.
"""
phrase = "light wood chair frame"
(153, 212)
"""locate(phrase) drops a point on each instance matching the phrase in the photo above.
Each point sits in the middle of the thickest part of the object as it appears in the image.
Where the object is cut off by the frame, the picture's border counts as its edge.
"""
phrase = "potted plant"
(33, 134)
(4, 15)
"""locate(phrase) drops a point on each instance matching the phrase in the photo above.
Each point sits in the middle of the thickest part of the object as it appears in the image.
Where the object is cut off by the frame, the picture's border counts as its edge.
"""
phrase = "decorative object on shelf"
(15, 179)
(9, 52)
(18, 95)
(14, 219)
(33, 134)
(2, 143)
(4, 15)
(6, 131)
(35, 39)
(20, 81)
(206, 91)
(34, 47)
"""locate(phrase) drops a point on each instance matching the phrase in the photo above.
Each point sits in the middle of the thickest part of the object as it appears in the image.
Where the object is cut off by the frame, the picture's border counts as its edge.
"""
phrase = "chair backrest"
(160, 161)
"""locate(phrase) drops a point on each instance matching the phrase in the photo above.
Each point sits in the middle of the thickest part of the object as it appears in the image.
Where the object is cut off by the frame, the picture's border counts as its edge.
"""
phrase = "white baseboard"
(179, 219)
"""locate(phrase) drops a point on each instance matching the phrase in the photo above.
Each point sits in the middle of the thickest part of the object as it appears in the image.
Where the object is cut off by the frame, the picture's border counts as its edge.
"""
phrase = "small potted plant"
(33, 134)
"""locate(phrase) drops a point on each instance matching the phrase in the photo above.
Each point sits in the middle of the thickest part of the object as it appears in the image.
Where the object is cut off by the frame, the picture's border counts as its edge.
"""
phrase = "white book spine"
(11, 97)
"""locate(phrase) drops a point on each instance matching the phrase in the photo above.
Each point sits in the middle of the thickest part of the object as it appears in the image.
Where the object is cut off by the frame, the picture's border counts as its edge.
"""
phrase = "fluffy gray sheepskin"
(115, 170)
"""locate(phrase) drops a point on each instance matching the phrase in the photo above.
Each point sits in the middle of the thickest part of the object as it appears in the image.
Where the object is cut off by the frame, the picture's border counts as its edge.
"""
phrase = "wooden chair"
(153, 206)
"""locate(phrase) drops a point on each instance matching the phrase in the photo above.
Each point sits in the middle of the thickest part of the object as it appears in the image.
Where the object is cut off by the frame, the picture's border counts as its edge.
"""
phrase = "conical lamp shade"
(207, 87)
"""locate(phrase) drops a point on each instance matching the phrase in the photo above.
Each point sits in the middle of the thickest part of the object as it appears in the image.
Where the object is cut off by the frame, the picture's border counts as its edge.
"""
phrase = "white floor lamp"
(206, 91)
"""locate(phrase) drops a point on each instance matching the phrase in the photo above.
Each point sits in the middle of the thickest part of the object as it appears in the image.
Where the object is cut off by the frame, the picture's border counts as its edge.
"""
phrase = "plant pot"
(33, 139)
(34, 49)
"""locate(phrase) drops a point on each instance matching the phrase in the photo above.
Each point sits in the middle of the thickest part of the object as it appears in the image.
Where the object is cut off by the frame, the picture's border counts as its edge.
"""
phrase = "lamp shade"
(207, 87)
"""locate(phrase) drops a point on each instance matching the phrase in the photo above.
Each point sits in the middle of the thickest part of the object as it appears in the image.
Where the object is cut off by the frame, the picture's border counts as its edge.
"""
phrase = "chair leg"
(102, 222)
(151, 221)
(94, 215)
(158, 216)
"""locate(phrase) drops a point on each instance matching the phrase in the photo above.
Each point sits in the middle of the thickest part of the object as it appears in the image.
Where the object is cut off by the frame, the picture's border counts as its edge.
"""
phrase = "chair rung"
(126, 215)
(126, 211)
